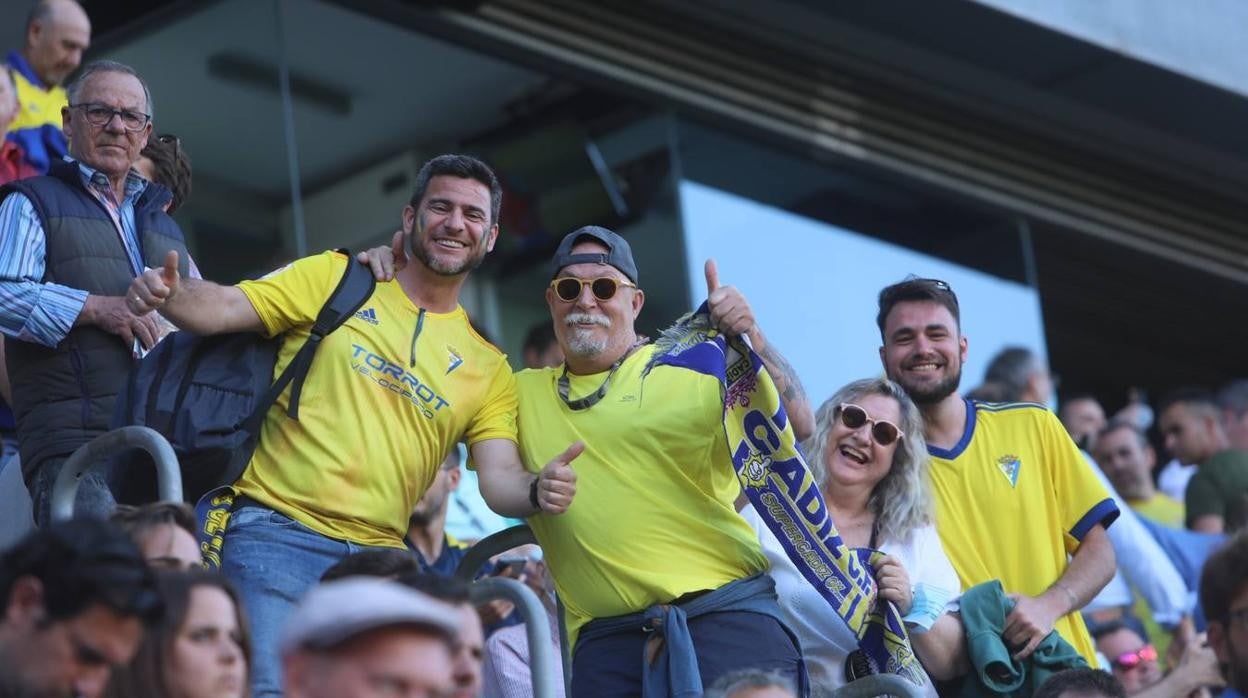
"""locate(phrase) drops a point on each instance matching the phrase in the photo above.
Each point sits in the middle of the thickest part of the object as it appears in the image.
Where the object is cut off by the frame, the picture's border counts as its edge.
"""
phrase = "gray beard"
(582, 344)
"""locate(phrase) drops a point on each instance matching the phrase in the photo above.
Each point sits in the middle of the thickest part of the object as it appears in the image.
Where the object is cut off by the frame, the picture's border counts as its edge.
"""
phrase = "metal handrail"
(491, 545)
(879, 685)
(500, 542)
(536, 626)
(104, 446)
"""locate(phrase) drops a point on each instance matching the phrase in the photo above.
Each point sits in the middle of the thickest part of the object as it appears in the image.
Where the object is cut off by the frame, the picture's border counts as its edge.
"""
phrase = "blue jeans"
(273, 560)
(94, 499)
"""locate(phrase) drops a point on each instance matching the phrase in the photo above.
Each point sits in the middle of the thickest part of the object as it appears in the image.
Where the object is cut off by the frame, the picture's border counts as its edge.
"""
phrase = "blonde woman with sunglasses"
(870, 459)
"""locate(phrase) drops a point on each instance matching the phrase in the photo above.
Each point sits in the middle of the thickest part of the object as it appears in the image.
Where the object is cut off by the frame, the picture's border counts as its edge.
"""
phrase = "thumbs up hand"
(556, 484)
(154, 287)
(730, 313)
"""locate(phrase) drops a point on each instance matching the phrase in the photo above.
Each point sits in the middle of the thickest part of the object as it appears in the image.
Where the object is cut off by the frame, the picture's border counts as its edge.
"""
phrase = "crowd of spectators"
(1022, 552)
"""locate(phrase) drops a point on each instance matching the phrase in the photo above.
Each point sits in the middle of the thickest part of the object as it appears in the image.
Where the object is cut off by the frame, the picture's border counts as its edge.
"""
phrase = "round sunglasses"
(853, 417)
(568, 288)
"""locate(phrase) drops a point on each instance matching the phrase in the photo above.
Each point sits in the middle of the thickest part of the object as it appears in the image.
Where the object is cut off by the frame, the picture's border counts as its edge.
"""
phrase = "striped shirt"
(43, 313)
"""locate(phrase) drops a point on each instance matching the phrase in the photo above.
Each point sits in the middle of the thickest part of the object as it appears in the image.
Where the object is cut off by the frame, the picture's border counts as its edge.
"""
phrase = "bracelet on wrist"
(533, 500)
(1074, 600)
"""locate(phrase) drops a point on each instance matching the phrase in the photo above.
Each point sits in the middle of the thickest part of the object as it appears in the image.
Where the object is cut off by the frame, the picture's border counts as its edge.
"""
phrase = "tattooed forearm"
(792, 394)
(783, 374)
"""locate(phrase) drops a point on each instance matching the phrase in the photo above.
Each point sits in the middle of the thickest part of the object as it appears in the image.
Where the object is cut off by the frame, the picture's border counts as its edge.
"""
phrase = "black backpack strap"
(353, 290)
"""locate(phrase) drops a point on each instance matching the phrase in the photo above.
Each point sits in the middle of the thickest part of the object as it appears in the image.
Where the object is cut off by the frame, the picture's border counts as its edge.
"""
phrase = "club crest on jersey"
(1010, 466)
(454, 359)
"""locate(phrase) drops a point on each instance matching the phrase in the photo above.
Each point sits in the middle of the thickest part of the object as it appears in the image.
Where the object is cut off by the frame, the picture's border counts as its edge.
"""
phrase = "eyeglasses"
(1130, 660)
(569, 288)
(102, 114)
(853, 417)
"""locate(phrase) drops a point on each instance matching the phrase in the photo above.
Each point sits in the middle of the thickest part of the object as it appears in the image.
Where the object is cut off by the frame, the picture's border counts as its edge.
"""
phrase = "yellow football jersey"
(654, 516)
(373, 426)
(1013, 499)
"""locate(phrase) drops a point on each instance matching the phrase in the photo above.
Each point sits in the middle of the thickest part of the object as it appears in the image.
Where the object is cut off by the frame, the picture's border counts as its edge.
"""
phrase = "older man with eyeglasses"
(70, 244)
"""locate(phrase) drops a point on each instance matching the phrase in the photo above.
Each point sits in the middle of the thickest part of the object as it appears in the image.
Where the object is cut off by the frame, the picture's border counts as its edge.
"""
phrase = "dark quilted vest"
(63, 395)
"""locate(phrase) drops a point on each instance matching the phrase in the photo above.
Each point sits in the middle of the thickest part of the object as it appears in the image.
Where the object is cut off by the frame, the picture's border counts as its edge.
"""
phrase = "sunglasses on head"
(853, 417)
(568, 288)
(1130, 660)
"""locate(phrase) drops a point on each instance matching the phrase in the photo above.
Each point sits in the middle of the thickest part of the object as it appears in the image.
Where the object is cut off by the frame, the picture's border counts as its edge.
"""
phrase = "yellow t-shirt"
(1163, 509)
(1013, 498)
(372, 428)
(653, 518)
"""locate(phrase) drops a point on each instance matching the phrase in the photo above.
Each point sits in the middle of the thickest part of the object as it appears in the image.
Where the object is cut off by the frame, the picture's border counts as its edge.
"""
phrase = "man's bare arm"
(1090, 569)
(199, 306)
(506, 485)
(942, 649)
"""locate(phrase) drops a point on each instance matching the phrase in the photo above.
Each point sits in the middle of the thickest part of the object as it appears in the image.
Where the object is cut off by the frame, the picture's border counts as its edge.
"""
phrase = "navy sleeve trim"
(1104, 513)
(962, 443)
(1004, 406)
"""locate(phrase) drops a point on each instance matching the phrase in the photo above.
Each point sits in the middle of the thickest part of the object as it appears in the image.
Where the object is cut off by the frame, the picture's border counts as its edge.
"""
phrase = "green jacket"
(994, 673)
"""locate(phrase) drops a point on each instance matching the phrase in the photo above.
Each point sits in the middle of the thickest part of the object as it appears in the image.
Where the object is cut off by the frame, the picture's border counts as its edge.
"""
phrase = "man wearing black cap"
(653, 522)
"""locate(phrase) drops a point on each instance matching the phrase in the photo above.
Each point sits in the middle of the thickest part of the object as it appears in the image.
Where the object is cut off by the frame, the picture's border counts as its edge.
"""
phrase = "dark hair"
(1224, 576)
(80, 563)
(1128, 622)
(172, 167)
(1116, 424)
(106, 66)
(446, 589)
(1109, 627)
(1082, 682)
(1076, 397)
(391, 562)
(137, 520)
(1194, 396)
(1010, 369)
(147, 675)
(912, 288)
(1233, 397)
(539, 337)
(463, 166)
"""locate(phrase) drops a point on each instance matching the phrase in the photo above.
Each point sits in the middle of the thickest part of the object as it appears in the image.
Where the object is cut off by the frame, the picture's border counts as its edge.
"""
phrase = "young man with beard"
(435, 549)
(1014, 497)
(654, 531)
(388, 396)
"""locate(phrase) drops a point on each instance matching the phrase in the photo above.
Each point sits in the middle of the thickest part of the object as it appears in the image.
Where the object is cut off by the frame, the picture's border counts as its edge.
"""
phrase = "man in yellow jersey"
(387, 398)
(1126, 456)
(1014, 496)
(654, 522)
(57, 34)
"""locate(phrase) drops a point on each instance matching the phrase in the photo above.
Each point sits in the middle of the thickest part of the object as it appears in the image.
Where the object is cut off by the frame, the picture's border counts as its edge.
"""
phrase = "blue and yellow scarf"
(777, 481)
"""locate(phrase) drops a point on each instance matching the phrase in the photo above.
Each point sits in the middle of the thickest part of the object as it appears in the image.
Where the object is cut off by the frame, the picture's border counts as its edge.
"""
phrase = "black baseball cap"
(618, 255)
